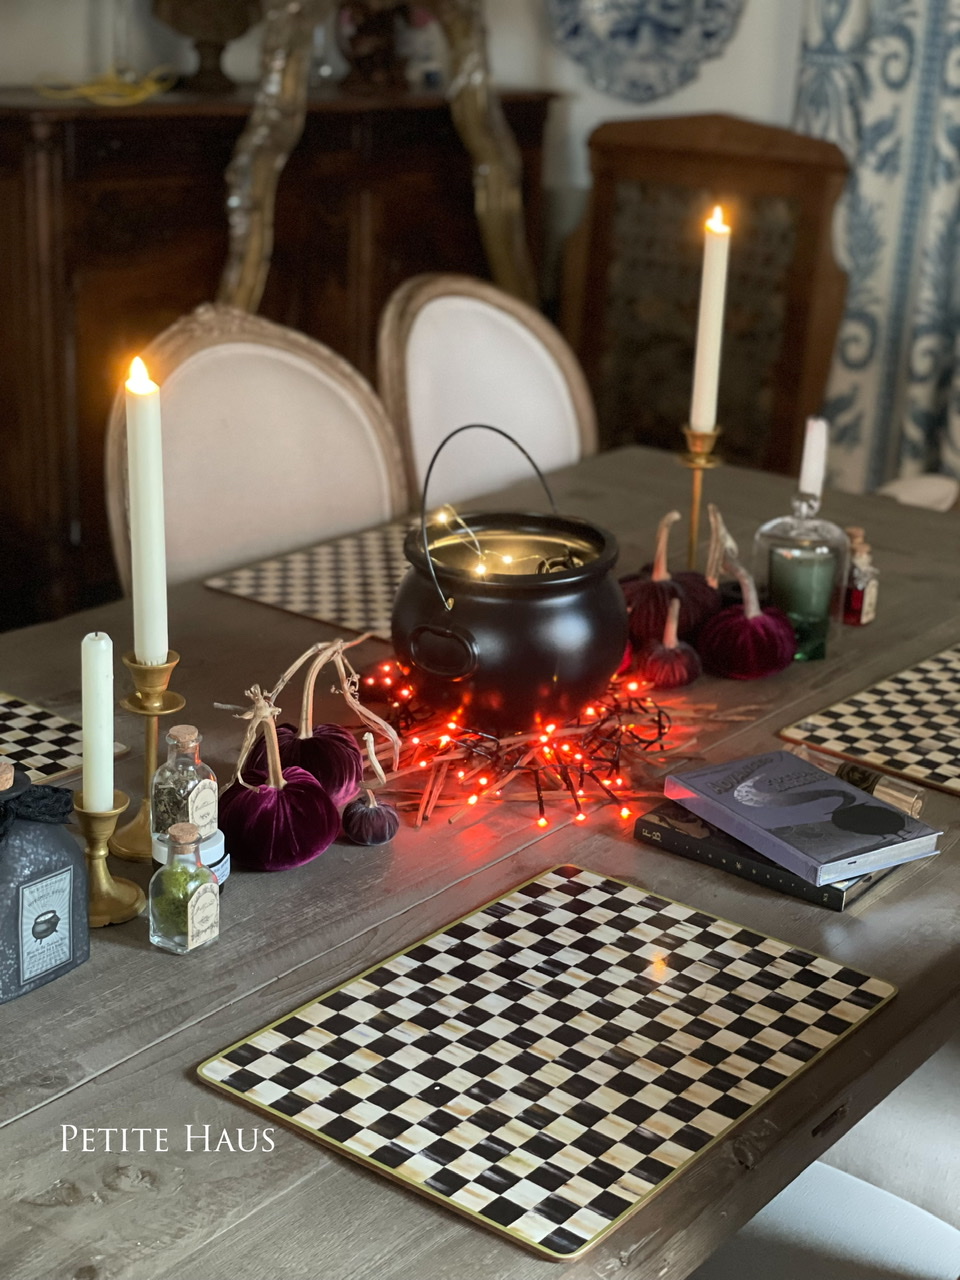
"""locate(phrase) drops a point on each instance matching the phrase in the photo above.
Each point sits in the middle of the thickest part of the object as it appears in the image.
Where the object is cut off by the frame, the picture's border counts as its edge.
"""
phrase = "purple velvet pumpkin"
(279, 821)
(329, 752)
(648, 595)
(268, 828)
(668, 663)
(745, 642)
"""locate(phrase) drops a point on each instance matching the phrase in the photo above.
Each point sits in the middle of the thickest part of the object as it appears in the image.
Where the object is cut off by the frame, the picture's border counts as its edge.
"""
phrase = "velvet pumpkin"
(366, 821)
(745, 642)
(281, 822)
(668, 663)
(327, 751)
(648, 595)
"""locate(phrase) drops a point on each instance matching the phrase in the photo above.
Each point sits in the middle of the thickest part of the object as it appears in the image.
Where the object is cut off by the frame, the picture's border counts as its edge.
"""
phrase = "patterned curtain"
(881, 78)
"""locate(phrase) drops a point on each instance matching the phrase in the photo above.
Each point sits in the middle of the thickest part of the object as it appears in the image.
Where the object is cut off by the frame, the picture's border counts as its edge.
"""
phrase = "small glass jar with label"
(184, 788)
(863, 582)
(184, 901)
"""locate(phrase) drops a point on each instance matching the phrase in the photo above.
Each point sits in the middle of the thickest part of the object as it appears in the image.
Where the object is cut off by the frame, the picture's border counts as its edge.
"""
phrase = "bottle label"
(220, 869)
(203, 916)
(868, 609)
(202, 807)
(46, 914)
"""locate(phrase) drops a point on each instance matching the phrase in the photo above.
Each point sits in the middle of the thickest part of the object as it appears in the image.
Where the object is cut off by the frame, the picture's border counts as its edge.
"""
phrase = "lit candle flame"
(139, 381)
(716, 223)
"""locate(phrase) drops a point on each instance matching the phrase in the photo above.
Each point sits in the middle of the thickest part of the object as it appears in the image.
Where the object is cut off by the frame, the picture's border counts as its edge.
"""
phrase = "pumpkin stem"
(722, 546)
(748, 589)
(309, 684)
(371, 799)
(670, 627)
(257, 715)
(660, 571)
(374, 762)
(275, 777)
(349, 686)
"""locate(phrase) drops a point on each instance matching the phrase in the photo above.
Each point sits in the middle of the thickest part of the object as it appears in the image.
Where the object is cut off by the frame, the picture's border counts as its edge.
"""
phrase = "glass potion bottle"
(184, 788)
(184, 902)
(800, 561)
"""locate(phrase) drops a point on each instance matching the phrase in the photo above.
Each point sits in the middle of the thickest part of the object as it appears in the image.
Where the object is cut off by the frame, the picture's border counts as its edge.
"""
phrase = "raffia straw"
(438, 788)
(427, 791)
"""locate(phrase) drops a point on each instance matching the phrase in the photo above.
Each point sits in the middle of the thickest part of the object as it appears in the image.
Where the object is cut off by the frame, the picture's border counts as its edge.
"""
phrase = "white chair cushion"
(828, 1225)
(264, 451)
(910, 1143)
(468, 361)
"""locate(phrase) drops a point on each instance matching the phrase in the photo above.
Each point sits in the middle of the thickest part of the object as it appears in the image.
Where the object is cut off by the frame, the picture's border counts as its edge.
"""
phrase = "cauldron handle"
(470, 426)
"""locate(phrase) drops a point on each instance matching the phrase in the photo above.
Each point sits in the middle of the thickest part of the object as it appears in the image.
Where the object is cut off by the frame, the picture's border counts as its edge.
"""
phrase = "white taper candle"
(96, 667)
(814, 464)
(713, 289)
(148, 561)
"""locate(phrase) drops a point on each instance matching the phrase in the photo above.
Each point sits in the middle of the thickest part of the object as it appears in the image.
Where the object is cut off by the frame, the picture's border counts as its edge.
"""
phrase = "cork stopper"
(6, 775)
(184, 833)
(184, 735)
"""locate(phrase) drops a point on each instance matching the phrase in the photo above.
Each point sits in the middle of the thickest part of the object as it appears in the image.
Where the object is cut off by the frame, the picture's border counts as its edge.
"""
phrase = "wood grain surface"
(116, 1042)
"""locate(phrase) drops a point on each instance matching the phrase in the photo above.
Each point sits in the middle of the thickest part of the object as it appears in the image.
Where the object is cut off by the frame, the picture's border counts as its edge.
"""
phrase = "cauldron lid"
(601, 539)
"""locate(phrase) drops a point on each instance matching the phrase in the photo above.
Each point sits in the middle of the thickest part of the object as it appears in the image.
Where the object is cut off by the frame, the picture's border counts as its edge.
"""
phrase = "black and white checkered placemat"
(908, 724)
(547, 1063)
(45, 745)
(348, 583)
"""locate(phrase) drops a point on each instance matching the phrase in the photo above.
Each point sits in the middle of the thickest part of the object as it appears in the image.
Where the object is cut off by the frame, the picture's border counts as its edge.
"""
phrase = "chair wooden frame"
(396, 324)
(212, 325)
(723, 153)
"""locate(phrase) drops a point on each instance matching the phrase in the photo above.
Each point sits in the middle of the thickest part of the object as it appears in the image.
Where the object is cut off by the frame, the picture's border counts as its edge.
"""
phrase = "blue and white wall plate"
(642, 49)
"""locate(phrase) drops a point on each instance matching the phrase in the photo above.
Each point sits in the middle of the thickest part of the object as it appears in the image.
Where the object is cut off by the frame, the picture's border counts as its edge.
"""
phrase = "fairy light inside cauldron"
(455, 545)
(575, 764)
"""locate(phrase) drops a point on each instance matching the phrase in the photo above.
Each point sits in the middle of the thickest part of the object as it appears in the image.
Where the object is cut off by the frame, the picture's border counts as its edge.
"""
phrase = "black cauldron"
(517, 620)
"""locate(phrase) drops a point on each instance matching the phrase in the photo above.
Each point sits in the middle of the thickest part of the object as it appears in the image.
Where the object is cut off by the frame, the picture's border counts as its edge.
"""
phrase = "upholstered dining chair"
(632, 280)
(270, 442)
(455, 350)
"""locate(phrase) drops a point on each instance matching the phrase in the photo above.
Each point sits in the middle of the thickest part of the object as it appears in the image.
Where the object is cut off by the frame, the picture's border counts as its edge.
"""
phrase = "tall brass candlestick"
(111, 901)
(151, 699)
(699, 458)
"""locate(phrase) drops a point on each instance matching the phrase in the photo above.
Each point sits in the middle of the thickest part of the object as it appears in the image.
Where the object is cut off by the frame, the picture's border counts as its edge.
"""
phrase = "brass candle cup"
(111, 901)
(699, 457)
(151, 699)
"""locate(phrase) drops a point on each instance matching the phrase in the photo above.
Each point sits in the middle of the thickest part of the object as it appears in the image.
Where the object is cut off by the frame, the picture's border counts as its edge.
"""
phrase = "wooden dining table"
(116, 1042)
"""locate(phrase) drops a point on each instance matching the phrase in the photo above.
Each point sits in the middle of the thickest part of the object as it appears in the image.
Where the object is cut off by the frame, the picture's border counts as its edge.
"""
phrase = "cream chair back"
(454, 350)
(270, 442)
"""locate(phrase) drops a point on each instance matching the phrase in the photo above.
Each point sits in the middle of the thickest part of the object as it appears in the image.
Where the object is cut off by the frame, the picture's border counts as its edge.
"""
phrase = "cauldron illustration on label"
(45, 925)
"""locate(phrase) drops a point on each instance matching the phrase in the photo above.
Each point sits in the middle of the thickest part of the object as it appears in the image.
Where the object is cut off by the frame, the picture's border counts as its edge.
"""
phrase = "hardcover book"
(669, 826)
(814, 824)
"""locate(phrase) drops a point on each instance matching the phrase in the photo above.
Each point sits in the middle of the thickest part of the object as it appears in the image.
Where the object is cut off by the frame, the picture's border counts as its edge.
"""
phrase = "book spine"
(772, 847)
(774, 877)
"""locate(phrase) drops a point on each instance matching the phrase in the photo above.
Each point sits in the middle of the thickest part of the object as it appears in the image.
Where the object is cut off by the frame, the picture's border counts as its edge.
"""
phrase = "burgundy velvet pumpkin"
(328, 751)
(668, 663)
(648, 596)
(281, 821)
(366, 821)
(745, 642)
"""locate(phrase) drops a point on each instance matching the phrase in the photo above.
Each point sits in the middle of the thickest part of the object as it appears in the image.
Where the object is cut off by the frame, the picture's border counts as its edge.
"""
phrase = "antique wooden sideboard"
(112, 225)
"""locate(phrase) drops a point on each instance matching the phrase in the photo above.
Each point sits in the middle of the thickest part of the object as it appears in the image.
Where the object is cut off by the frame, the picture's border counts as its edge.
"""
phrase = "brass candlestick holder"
(699, 458)
(151, 699)
(111, 901)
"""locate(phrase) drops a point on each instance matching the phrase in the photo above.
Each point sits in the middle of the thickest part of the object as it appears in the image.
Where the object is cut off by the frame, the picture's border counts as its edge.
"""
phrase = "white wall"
(71, 40)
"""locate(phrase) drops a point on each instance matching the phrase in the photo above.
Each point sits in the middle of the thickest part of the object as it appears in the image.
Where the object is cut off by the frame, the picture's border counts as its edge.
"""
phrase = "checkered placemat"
(45, 745)
(908, 724)
(348, 583)
(546, 1064)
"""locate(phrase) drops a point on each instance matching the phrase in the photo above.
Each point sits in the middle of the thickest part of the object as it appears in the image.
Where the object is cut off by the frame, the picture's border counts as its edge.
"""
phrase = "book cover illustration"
(801, 817)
